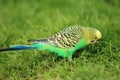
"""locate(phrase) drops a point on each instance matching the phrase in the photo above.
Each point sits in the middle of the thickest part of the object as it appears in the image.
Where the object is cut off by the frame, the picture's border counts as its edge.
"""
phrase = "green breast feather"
(63, 52)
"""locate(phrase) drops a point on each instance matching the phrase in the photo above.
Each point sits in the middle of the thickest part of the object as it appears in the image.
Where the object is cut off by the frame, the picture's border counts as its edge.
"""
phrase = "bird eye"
(92, 40)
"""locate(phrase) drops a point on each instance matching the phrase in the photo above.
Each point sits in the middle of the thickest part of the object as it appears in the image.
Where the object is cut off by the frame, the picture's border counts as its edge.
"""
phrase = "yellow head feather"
(91, 34)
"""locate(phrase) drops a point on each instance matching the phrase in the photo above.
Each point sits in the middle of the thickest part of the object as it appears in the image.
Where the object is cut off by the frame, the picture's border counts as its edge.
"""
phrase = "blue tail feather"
(21, 47)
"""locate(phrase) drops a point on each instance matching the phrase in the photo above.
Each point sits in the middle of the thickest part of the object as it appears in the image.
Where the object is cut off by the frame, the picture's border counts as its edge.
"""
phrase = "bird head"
(92, 35)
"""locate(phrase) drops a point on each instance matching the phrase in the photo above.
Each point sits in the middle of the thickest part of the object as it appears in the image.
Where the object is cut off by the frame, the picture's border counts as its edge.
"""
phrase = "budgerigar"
(65, 42)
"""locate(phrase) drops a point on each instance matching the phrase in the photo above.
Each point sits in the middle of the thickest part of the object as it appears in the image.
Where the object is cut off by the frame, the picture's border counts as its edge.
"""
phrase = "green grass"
(25, 19)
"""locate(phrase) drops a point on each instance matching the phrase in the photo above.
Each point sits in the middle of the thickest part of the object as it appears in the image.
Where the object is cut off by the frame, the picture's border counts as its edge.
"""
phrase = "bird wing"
(66, 38)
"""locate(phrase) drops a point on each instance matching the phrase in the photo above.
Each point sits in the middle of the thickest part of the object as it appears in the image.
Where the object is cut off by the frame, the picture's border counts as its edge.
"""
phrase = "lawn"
(21, 20)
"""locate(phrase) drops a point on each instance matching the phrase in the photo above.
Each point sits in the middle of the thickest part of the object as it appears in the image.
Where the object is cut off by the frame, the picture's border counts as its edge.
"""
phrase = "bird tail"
(21, 47)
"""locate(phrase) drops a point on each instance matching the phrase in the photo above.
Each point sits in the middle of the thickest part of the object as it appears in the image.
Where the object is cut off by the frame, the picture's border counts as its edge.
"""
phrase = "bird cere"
(63, 43)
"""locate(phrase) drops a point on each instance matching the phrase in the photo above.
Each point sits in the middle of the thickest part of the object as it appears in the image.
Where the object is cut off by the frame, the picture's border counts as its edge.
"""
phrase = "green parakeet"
(65, 42)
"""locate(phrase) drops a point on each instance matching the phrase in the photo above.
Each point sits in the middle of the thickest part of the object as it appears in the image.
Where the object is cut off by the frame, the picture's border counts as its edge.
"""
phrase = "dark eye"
(92, 40)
